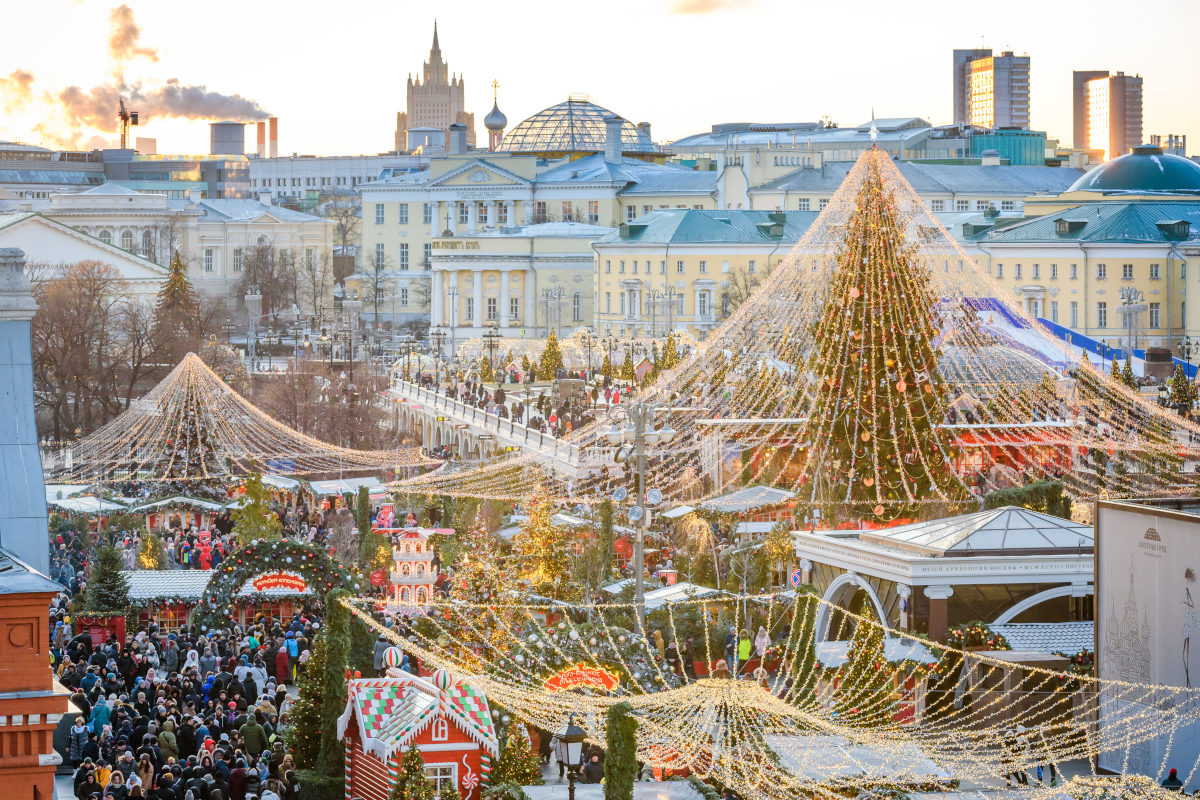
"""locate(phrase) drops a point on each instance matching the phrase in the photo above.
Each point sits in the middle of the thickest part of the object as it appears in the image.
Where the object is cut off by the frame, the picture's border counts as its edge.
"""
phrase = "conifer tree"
(175, 309)
(517, 763)
(541, 550)
(479, 577)
(627, 366)
(620, 744)
(865, 687)
(373, 549)
(1183, 392)
(552, 359)
(412, 784)
(304, 732)
(526, 366)
(486, 373)
(670, 353)
(107, 587)
(877, 449)
(606, 369)
(152, 552)
(1127, 374)
(255, 519)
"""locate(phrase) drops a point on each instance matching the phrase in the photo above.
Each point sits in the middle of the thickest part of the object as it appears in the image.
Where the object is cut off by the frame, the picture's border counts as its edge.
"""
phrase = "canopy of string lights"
(880, 373)
(923, 716)
(193, 427)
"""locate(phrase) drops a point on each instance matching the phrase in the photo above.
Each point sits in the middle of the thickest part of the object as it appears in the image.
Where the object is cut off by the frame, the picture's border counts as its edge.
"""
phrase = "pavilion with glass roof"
(576, 126)
(999, 566)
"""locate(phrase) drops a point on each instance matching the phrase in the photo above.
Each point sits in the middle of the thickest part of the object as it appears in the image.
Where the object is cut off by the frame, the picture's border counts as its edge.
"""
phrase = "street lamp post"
(589, 341)
(1185, 350)
(438, 338)
(553, 298)
(490, 339)
(631, 440)
(254, 312)
(570, 751)
(452, 293)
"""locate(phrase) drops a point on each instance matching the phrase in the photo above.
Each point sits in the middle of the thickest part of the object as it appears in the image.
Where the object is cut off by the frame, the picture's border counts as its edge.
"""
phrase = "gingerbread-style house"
(449, 722)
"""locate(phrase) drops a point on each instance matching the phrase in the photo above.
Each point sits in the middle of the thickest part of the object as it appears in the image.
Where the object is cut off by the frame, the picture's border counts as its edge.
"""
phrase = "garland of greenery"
(620, 740)
(1082, 663)
(312, 563)
(976, 634)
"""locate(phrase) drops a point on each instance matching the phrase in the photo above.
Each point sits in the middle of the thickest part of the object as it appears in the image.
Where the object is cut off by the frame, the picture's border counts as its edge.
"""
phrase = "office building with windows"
(1107, 112)
(991, 91)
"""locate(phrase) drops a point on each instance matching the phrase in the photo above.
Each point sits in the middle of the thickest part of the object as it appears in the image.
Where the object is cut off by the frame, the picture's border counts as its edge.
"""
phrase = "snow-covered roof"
(677, 512)
(280, 482)
(186, 584)
(618, 586)
(819, 757)
(749, 499)
(180, 501)
(835, 654)
(1008, 529)
(347, 486)
(85, 505)
(1049, 637)
(677, 593)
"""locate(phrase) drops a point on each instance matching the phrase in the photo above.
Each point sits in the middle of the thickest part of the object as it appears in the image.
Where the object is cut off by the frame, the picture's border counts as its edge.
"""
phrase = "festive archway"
(264, 558)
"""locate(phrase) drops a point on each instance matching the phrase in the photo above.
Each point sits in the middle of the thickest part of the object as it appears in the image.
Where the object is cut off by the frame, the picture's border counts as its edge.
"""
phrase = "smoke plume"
(705, 6)
(74, 115)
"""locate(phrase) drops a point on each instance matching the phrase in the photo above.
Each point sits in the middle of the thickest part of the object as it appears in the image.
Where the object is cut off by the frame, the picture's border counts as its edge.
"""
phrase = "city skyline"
(692, 54)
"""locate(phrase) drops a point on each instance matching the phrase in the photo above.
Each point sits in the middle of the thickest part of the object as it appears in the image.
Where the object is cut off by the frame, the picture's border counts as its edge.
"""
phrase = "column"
(435, 219)
(477, 294)
(472, 216)
(490, 222)
(504, 298)
(528, 312)
(937, 611)
(905, 593)
(436, 316)
(806, 571)
(452, 218)
(528, 212)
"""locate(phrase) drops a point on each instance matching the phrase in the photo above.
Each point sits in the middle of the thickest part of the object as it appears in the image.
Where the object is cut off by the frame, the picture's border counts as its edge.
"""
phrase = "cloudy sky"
(334, 72)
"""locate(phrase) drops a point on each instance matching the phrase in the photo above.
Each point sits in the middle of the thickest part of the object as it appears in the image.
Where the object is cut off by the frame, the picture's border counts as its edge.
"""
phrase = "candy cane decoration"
(470, 779)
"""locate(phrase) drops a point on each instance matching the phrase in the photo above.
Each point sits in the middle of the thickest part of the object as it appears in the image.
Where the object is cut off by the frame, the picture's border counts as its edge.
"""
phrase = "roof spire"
(435, 48)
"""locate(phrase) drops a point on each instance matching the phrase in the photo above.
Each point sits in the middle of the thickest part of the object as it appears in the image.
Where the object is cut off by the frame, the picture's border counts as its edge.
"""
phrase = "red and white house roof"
(391, 712)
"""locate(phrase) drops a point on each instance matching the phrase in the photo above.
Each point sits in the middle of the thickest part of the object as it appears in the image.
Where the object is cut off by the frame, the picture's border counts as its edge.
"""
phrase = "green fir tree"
(255, 520)
(1183, 392)
(670, 354)
(152, 552)
(606, 369)
(303, 735)
(621, 760)
(374, 552)
(552, 359)
(1127, 374)
(627, 366)
(107, 587)
(412, 784)
(517, 763)
(486, 373)
(864, 697)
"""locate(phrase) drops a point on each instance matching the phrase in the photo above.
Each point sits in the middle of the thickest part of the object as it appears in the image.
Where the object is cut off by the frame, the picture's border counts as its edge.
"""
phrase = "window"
(492, 309)
(999, 270)
(576, 307)
(1054, 272)
(1074, 314)
(724, 267)
(566, 210)
(679, 267)
(725, 305)
(608, 266)
(464, 213)
(621, 267)
(753, 268)
(1101, 315)
(937, 205)
(662, 268)
(981, 205)
(635, 268)
(427, 254)
(1016, 270)
(647, 209)
(824, 202)
(379, 256)
(427, 213)
(502, 213)
(1037, 271)
(608, 302)
(702, 304)
(470, 308)
(1101, 272)
(106, 236)
(1182, 269)
(1006, 205)
(802, 204)
(310, 257)
(1155, 314)
(514, 308)
(148, 244)
(703, 267)
(593, 211)
(442, 778)
(210, 259)
(379, 213)
(404, 255)
(403, 295)
(1054, 311)
(1154, 272)
(404, 213)
(962, 205)
(539, 211)
(630, 213)
(622, 303)
(441, 730)
(1074, 271)
(1127, 272)
(239, 259)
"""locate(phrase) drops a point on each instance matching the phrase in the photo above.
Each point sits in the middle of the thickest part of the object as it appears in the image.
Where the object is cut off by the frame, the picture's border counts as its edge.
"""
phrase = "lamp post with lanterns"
(490, 339)
(254, 300)
(570, 751)
(631, 441)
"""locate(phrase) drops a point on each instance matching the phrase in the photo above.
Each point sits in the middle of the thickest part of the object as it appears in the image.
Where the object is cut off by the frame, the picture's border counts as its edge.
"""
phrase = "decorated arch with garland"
(267, 557)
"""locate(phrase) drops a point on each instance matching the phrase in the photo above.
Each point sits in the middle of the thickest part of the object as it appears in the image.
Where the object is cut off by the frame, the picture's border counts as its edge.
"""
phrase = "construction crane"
(127, 118)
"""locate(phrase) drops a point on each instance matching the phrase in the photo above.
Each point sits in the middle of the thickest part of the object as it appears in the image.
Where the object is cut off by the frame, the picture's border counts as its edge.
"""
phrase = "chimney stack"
(612, 139)
(262, 140)
(644, 127)
(273, 126)
(458, 139)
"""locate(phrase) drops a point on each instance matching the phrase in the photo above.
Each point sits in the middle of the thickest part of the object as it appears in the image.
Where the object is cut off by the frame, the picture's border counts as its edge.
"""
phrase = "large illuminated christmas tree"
(541, 550)
(876, 451)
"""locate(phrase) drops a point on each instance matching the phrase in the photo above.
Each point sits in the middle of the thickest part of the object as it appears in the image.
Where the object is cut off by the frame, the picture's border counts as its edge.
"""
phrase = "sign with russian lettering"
(279, 580)
(582, 676)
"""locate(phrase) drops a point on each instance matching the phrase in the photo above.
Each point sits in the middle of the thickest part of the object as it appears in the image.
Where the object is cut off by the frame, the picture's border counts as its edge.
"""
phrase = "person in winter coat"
(208, 662)
(116, 788)
(100, 715)
(283, 666)
(381, 646)
(253, 736)
(745, 647)
(88, 788)
(78, 738)
(167, 741)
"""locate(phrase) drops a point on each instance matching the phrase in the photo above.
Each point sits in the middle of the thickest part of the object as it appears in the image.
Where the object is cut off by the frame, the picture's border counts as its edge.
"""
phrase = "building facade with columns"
(999, 566)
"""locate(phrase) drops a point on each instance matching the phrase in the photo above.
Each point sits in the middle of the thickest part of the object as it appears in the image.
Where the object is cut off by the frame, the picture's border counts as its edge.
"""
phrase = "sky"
(335, 73)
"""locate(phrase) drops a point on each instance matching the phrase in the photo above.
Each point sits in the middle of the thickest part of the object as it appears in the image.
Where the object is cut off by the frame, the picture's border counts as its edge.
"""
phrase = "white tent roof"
(676, 593)
(85, 505)
(997, 530)
(821, 757)
(180, 501)
(347, 485)
(749, 499)
(1049, 637)
(677, 512)
(835, 654)
(280, 482)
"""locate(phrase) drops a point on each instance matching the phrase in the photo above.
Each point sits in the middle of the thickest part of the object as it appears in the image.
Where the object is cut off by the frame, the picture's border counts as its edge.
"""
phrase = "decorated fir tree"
(542, 555)
(1183, 392)
(374, 552)
(486, 373)
(479, 577)
(864, 697)
(107, 587)
(152, 552)
(670, 353)
(517, 763)
(606, 369)
(620, 744)
(254, 519)
(1114, 371)
(526, 366)
(627, 366)
(552, 359)
(303, 735)
(1127, 374)
(411, 783)
(876, 449)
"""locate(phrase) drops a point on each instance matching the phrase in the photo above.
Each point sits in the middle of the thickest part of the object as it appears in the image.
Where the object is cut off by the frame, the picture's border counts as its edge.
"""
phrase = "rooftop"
(1001, 530)
(749, 499)
(1147, 169)
(1108, 221)
(572, 126)
(929, 178)
(1049, 637)
(184, 584)
(681, 225)
(895, 129)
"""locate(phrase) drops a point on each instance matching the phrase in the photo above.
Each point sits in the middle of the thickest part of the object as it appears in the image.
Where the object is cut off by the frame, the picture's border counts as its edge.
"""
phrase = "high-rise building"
(1107, 112)
(991, 91)
(435, 102)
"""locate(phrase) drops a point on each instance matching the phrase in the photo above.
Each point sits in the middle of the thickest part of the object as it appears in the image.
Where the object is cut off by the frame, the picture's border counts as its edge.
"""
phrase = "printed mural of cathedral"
(1127, 658)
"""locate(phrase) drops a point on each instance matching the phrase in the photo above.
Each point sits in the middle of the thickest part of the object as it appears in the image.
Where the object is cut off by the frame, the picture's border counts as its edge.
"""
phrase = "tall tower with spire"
(435, 101)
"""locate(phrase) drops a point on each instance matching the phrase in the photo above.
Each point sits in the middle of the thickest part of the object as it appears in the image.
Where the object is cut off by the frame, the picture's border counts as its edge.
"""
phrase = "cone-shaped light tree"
(552, 359)
(877, 452)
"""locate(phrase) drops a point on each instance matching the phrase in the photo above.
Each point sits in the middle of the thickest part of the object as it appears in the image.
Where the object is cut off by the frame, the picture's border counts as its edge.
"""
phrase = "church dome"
(572, 126)
(1146, 169)
(495, 120)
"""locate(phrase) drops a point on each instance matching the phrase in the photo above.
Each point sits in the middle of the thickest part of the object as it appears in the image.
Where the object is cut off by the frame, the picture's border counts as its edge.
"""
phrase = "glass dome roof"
(1146, 169)
(572, 126)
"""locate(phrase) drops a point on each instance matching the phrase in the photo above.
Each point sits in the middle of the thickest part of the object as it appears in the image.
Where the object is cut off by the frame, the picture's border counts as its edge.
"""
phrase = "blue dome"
(495, 120)
(573, 126)
(1147, 169)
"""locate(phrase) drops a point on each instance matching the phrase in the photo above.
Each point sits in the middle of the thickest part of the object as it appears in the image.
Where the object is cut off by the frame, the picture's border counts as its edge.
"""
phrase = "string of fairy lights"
(877, 325)
(803, 727)
(192, 426)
